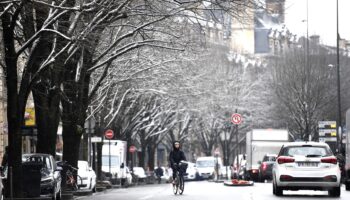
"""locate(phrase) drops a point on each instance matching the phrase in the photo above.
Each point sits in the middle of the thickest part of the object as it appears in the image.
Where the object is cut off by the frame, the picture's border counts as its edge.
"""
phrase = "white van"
(206, 166)
(113, 156)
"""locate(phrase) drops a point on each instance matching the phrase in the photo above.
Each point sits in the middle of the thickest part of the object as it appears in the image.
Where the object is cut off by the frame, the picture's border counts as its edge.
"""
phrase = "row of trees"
(68, 52)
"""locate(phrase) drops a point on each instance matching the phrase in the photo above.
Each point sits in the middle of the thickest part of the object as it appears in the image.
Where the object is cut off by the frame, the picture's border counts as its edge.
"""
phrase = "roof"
(36, 154)
(305, 143)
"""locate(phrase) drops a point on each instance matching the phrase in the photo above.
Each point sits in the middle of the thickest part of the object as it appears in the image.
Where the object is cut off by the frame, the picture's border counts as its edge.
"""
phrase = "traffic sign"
(236, 118)
(132, 149)
(96, 139)
(327, 124)
(109, 134)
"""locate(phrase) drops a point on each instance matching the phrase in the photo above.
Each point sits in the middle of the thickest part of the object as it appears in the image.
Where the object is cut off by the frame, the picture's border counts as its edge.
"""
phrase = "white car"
(140, 173)
(87, 175)
(191, 172)
(306, 166)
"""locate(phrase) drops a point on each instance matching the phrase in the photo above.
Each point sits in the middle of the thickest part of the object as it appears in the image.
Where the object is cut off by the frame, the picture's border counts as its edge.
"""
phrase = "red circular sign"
(236, 118)
(109, 134)
(132, 149)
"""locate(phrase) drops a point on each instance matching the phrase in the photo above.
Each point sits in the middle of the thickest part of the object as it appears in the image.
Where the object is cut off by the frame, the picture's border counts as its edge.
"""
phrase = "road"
(204, 190)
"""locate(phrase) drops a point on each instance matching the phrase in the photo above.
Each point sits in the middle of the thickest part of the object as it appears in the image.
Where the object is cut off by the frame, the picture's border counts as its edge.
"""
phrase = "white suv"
(306, 166)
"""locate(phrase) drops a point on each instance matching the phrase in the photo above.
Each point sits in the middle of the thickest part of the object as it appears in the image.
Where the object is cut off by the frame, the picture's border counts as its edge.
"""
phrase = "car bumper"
(317, 179)
(205, 175)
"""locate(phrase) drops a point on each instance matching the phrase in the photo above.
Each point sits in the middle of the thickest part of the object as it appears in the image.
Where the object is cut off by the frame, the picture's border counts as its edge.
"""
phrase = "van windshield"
(205, 163)
(114, 161)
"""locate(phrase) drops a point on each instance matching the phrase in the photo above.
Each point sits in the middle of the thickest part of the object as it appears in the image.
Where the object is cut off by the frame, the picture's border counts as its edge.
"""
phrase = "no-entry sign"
(109, 134)
(132, 149)
(236, 118)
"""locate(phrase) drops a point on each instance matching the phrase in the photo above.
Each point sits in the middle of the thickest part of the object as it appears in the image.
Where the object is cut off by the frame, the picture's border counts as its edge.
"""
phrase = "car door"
(56, 174)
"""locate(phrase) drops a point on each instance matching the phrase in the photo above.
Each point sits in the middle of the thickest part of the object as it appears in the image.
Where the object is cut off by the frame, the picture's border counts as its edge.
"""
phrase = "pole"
(225, 153)
(338, 86)
(109, 155)
(89, 143)
(307, 69)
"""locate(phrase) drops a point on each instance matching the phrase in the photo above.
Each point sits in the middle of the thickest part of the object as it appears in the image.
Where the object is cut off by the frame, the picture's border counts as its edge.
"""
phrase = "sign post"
(109, 134)
(132, 150)
(89, 126)
(236, 119)
(327, 132)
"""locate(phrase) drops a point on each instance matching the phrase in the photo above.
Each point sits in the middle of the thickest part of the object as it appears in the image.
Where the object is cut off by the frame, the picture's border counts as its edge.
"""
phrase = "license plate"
(308, 164)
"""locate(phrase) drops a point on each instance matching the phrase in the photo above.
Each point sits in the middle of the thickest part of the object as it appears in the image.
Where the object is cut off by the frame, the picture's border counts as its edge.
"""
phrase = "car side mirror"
(90, 169)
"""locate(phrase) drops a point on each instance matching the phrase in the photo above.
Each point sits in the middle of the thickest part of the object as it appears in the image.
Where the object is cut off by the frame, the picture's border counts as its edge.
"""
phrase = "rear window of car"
(308, 151)
(269, 158)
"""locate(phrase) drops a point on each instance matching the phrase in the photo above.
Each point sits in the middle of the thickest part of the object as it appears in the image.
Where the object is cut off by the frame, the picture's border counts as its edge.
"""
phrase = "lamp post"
(339, 132)
(306, 70)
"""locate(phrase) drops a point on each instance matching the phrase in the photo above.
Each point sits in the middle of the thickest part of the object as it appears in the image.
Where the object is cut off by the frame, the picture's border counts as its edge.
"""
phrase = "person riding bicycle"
(175, 156)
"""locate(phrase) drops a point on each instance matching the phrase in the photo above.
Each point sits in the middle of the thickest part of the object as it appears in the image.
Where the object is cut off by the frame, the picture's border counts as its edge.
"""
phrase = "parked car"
(206, 167)
(87, 175)
(50, 185)
(306, 166)
(265, 168)
(191, 172)
(140, 173)
(1, 189)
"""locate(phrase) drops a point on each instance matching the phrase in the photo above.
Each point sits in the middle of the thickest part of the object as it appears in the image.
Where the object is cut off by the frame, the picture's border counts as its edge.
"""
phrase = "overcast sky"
(322, 18)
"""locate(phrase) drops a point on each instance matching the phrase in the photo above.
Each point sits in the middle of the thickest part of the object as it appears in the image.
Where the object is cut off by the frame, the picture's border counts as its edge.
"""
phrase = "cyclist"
(175, 156)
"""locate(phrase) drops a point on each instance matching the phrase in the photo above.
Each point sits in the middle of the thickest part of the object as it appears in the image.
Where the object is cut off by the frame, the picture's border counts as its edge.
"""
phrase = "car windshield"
(307, 151)
(139, 170)
(44, 160)
(269, 158)
(83, 166)
(205, 163)
(114, 161)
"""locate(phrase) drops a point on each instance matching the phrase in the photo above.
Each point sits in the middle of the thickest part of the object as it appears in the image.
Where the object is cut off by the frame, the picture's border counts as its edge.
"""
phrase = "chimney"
(276, 7)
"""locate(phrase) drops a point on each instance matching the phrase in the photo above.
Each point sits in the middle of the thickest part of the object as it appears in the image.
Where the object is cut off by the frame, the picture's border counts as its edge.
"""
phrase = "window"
(308, 151)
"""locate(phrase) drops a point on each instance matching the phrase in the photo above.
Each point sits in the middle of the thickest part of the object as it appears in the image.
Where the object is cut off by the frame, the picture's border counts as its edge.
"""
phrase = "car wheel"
(277, 190)
(334, 192)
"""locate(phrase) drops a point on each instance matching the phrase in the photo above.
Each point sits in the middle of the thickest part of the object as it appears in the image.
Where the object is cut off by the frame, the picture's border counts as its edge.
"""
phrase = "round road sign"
(109, 134)
(132, 149)
(236, 118)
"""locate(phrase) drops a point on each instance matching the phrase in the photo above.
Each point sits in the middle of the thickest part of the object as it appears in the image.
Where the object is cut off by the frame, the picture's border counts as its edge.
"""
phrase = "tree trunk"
(47, 114)
(151, 156)
(15, 109)
(99, 160)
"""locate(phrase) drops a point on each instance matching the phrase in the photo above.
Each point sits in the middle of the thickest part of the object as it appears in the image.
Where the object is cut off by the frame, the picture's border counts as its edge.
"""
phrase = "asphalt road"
(204, 190)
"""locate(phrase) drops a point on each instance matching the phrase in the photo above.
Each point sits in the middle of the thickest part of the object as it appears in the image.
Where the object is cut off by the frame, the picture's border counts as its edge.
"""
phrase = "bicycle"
(179, 185)
(71, 182)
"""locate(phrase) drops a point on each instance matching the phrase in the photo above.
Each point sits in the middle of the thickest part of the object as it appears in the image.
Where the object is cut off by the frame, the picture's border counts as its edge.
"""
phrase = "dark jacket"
(159, 171)
(175, 156)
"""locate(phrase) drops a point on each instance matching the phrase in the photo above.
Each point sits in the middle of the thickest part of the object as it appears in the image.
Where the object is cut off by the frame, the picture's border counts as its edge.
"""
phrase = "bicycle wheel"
(176, 185)
(181, 185)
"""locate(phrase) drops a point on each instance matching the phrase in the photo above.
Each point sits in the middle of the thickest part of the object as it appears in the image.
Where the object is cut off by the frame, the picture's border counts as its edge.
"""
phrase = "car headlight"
(46, 180)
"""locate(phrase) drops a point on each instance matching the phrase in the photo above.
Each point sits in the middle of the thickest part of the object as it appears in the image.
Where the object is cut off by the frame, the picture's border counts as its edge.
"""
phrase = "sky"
(322, 18)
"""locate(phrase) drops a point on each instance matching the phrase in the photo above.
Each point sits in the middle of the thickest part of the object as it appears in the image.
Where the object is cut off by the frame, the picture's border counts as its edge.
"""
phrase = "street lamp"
(339, 132)
(307, 65)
